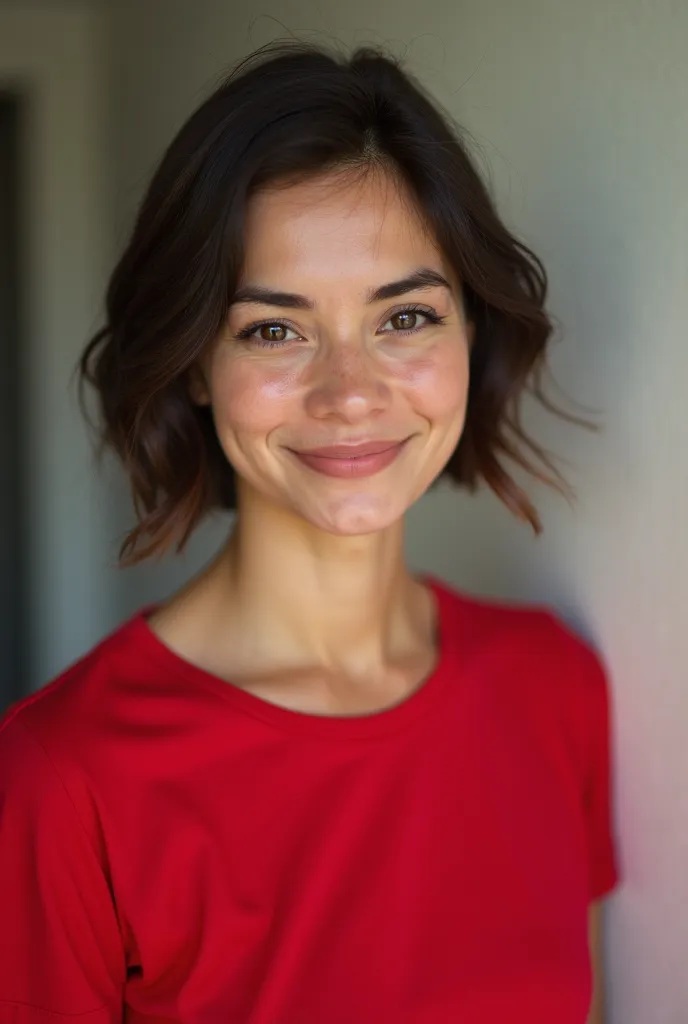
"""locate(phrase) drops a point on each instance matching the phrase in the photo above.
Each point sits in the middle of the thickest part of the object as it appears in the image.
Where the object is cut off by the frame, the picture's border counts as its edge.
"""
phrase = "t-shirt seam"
(13, 713)
(63, 785)
(56, 1013)
(575, 672)
(285, 730)
(583, 657)
(16, 709)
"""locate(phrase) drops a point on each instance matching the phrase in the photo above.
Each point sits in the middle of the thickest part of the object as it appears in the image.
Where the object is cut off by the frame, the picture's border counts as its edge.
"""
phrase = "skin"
(310, 604)
(597, 1011)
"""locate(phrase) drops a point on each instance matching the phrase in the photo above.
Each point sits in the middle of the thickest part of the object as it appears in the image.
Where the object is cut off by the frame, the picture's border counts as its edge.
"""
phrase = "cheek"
(248, 399)
(437, 382)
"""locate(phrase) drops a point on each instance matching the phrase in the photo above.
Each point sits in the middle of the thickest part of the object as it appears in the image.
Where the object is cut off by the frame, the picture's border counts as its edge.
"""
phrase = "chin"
(355, 518)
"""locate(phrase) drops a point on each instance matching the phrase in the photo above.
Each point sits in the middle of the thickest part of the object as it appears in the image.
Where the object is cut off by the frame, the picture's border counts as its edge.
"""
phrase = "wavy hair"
(288, 112)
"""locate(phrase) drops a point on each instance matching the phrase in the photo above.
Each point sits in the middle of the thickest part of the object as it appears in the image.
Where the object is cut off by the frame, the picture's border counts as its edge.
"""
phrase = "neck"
(337, 601)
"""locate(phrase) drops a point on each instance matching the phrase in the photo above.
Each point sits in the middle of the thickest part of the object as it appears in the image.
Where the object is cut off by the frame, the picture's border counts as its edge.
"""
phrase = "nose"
(349, 385)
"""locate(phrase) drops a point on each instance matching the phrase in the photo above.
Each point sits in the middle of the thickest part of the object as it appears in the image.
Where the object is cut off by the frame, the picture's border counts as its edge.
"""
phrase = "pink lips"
(352, 460)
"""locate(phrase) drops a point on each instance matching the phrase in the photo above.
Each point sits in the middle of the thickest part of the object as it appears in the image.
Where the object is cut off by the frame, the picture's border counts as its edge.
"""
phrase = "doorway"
(13, 632)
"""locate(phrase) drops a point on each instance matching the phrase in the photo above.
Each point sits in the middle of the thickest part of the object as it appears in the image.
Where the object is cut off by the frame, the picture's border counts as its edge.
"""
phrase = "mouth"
(352, 461)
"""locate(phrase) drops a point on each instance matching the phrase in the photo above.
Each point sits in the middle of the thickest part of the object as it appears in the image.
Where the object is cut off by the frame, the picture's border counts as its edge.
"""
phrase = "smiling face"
(339, 384)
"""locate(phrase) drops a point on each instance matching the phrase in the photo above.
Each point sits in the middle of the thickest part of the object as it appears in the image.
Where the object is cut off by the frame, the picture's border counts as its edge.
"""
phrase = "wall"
(579, 110)
(49, 52)
(162, 58)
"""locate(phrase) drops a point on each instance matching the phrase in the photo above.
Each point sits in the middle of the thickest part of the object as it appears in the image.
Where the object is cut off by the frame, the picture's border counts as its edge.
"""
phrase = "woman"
(311, 787)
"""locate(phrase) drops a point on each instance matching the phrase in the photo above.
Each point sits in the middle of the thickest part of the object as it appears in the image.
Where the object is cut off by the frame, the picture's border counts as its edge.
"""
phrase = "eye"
(268, 334)
(411, 319)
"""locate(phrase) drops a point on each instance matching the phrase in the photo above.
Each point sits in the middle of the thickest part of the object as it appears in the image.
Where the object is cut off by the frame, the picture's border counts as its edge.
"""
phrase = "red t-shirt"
(174, 849)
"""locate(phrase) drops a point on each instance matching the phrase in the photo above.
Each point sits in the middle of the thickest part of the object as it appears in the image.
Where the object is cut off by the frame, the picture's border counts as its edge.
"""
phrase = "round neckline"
(389, 719)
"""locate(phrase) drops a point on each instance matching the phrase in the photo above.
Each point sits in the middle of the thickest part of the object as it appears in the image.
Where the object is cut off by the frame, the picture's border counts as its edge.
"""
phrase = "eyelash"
(246, 332)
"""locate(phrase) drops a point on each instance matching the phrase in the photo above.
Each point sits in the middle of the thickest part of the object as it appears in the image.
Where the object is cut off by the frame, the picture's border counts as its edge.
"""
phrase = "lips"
(352, 461)
(351, 451)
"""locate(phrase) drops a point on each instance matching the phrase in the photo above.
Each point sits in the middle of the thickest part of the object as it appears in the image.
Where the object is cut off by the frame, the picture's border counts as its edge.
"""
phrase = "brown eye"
(406, 320)
(269, 334)
(411, 321)
(272, 333)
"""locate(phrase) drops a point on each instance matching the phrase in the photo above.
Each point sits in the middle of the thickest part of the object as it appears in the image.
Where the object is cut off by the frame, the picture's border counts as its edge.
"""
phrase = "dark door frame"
(13, 575)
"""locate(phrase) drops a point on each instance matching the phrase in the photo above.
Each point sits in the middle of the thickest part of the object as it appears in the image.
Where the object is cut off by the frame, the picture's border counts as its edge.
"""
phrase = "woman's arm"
(61, 953)
(596, 1015)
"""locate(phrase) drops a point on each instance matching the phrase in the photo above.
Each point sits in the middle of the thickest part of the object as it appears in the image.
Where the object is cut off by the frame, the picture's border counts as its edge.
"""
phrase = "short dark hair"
(288, 112)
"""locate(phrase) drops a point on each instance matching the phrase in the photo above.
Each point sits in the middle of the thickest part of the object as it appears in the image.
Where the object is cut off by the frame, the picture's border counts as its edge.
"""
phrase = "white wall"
(580, 109)
(49, 51)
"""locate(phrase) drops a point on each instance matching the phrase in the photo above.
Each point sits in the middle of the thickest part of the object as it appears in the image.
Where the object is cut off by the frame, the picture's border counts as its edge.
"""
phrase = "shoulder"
(526, 647)
(63, 723)
(537, 628)
(528, 667)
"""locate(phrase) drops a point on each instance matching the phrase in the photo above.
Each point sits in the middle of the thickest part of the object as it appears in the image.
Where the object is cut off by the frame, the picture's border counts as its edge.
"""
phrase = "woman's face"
(339, 384)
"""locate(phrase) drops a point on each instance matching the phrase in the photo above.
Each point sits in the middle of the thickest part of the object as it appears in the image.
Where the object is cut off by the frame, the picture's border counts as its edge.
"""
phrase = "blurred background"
(578, 110)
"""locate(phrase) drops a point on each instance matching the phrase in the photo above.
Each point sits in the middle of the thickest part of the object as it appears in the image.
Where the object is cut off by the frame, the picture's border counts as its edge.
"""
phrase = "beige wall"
(579, 109)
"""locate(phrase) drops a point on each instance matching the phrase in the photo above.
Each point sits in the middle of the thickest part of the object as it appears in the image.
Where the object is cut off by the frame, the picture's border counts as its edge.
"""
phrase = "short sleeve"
(60, 948)
(594, 694)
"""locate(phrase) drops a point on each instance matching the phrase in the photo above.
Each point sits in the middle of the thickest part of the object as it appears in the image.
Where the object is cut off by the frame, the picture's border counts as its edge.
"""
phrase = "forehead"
(339, 226)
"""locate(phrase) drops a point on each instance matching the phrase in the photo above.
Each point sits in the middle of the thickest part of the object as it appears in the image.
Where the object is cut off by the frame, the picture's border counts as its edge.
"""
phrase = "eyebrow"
(424, 277)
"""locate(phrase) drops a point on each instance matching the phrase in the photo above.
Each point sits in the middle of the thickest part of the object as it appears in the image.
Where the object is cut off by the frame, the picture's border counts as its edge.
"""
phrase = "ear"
(198, 387)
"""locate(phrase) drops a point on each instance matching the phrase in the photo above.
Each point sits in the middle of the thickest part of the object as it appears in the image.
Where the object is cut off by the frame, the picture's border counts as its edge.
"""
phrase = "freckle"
(417, 369)
(280, 385)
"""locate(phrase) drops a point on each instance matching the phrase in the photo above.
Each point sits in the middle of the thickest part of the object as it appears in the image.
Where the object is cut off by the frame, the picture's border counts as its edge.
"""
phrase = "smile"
(352, 461)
